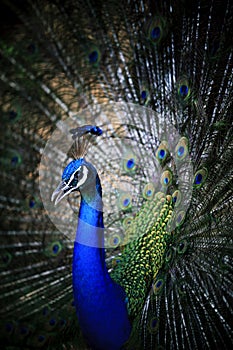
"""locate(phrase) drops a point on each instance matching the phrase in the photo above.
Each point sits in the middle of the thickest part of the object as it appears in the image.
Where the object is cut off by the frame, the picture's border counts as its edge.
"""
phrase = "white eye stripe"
(82, 180)
(72, 176)
(85, 173)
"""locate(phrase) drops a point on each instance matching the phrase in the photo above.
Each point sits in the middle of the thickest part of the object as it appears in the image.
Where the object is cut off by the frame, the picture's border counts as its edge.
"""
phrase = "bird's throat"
(97, 297)
(90, 228)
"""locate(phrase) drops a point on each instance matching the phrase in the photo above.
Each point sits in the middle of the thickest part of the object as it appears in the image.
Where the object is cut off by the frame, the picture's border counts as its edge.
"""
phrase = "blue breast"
(100, 302)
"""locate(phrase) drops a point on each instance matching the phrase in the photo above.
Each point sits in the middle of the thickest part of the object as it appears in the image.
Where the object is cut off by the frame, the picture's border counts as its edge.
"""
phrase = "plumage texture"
(137, 69)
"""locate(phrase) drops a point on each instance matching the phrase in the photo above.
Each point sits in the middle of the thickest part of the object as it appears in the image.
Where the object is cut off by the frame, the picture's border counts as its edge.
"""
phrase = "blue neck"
(100, 302)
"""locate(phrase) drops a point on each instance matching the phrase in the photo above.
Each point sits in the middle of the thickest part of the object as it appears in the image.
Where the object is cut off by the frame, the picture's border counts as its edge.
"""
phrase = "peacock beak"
(61, 191)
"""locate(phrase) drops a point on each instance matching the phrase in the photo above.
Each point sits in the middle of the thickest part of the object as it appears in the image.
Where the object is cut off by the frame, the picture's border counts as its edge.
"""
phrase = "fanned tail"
(138, 70)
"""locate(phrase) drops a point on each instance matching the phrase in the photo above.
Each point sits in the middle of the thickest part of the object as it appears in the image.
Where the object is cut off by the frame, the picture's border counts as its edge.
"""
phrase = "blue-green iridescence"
(130, 163)
(144, 94)
(143, 256)
(184, 90)
(126, 202)
(93, 56)
(155, 33)
(162, 153)
(180, 151)
(55, 248)
(91, 277)
(198, 179)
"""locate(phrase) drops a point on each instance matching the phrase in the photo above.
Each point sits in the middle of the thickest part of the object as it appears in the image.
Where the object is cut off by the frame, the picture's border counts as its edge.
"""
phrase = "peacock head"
(79, 175)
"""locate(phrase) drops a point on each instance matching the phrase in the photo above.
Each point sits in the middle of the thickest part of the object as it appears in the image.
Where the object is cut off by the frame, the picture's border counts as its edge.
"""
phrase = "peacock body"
(129, 105)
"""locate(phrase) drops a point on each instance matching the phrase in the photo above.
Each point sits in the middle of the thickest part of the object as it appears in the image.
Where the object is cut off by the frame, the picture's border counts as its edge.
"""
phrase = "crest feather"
(82, 136)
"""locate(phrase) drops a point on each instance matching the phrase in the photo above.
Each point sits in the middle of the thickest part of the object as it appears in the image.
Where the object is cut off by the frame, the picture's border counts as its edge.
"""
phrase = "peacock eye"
(183, 88)
(200, 177)
(162, 152)
(181, 150)
(74, 179)
(94, 55)
(144, 94)
(166, 178)
(155, 33)
(74, 182)
(155, 29)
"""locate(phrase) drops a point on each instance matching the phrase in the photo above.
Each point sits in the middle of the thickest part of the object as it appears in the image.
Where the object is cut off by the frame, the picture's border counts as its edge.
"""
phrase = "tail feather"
(134, 68)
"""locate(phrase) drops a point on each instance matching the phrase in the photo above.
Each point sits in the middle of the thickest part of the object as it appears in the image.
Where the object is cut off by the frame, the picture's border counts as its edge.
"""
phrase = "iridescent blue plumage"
(105, 324)
(156, 77)
(70, 168)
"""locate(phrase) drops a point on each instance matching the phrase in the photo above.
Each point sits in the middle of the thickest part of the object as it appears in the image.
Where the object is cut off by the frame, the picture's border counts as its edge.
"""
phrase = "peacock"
(116, 174)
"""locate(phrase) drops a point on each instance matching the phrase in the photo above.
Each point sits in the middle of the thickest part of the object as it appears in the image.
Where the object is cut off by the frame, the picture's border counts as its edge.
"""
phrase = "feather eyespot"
(32, 202)
(162, 152)
(149, 191)
(180, 218)
(130, 162)
(183, 89)
(53, 249)
(158, 286)
(156, 29)
(52, 322)
(153, 325)
(200, 177)
(144, 94)
(182, 247)
(127, 221)
(169, 254)
(14, 114)
(176, 197)
(5, 259)
(10, 159)
(181, 150)
(155, 33)
(166, 178)
(94, 56)
(114, 240)
(125, 201)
